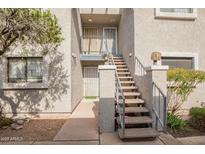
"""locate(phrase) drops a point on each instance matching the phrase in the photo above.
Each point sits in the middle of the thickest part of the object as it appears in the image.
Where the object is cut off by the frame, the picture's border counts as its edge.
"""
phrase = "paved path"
(168, 139)
(195, 140)
(82, 124)
(51, 143)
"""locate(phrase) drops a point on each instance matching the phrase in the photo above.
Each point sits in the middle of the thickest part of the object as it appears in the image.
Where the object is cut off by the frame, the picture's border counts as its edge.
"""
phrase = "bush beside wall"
(198, 118)
(175, 123)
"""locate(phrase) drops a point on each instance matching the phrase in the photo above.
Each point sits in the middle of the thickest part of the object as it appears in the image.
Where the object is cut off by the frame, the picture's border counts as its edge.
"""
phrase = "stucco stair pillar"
(158, 75)
(107, 98)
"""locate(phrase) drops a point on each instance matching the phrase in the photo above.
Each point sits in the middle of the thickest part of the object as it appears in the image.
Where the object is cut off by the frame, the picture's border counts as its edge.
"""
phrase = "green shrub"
(182, 83)
(1, 111)
(197, 112)
(5, 121)
(90, 97)
(197, 118)
(184, 80)
(175, 122)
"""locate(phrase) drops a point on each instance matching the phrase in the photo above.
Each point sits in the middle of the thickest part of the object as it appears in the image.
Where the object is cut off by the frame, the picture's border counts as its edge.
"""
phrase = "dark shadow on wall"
(30, 100)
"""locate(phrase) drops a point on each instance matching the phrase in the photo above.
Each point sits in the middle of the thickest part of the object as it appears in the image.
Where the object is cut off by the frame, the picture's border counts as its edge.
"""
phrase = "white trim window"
(26, 69)
(176, 13)
(180, 60)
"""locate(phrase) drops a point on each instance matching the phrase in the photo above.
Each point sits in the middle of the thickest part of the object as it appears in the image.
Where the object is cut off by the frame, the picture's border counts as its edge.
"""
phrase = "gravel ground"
(34, 130)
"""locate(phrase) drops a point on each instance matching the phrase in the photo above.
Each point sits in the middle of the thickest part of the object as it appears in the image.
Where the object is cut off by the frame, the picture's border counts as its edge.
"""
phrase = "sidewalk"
(82, 125)
(195, 140)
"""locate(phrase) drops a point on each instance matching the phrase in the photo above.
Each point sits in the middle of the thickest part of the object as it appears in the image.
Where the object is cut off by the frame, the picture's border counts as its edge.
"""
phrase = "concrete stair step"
(125, 78)
(134, 101)
(122, 69)
(123, 73)
(136, 110)
(131, 94)
(121, 66)
(134, 133)
(119, 61)
(117, 57)
(136, 120)
(129, 88)
(127, 82)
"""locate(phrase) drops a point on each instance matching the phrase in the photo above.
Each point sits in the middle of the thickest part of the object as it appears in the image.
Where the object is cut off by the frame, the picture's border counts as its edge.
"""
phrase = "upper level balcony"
(99, 36)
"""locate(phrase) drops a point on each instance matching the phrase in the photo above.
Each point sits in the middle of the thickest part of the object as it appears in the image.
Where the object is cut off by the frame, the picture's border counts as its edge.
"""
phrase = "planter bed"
(34, 130)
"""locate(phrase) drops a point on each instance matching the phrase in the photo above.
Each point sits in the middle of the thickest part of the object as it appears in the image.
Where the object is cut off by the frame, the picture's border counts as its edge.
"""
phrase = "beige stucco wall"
(76, 68)
(166, 35)
(106, 98)
(126, 37)
(57, 97)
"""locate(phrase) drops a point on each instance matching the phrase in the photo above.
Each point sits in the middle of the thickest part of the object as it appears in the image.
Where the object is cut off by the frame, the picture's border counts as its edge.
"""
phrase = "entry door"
(90, 81)
(110, 40)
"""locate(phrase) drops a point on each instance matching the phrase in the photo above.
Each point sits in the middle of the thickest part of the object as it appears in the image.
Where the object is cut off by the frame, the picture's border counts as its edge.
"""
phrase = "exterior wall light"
(90, 20)
(156, 58)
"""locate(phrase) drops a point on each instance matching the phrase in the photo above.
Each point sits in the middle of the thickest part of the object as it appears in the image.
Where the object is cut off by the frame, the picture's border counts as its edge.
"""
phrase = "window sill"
(175, 15)
(24, 86)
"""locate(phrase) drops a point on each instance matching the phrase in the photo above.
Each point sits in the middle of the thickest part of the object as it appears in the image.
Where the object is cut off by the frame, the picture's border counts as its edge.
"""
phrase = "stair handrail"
(164, 98)
(163, 123)
(119, 94)
(142, 70)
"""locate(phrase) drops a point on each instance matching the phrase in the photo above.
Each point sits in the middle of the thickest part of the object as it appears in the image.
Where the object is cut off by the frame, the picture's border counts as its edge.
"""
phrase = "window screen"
(178, 62)
(16, 71)
(177, 10)
(25, 69)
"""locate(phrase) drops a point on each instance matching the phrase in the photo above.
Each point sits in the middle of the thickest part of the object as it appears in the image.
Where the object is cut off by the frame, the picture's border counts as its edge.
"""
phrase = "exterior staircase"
(136, 122)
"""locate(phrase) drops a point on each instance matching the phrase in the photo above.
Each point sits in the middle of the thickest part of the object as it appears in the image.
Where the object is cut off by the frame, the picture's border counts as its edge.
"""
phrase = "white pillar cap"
(106, 67)
(157, 68)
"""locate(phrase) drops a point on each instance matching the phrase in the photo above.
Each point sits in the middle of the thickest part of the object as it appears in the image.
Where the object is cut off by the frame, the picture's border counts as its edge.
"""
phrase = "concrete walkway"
(168, 139)
(82, 128)
(82, 125)
(195, 140)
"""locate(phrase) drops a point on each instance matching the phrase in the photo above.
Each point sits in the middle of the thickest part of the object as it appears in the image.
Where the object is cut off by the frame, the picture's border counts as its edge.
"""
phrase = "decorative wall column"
(157, 75)
(106, 98)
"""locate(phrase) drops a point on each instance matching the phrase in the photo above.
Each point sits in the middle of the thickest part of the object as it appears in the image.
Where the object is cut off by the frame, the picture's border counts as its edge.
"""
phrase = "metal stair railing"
(120, 98)
(140, 69)
(160, 102)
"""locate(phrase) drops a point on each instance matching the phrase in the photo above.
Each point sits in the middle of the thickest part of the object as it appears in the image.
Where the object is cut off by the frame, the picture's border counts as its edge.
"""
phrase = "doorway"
(110, 40)
(90, 81)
